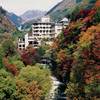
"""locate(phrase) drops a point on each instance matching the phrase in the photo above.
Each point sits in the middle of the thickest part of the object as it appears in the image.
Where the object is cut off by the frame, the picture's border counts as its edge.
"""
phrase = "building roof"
(64, 20)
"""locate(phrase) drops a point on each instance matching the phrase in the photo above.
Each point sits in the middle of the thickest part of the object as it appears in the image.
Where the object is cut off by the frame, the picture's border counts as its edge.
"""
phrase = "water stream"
(56, 90)
(54, 93)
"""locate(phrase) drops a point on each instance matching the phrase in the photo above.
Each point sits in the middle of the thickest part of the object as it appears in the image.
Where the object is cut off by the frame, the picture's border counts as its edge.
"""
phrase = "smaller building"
(60, 25)
(21, 43)
(65, 21)
(58, 28)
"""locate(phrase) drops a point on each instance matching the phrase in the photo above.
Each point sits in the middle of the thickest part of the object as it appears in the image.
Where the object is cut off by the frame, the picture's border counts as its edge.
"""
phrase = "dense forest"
(77, 52)
(75, 55)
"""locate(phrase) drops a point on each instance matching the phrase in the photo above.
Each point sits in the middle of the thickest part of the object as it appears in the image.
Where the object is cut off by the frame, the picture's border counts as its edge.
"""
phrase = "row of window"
(22, 40)
(33, 42)
(42, 24)
(44, 27)
(42, 34)
(21, 48)
(22, 45)
(43, 31)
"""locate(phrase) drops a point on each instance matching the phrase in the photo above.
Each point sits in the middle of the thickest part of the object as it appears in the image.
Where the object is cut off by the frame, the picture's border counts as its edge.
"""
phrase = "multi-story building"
(43, 32)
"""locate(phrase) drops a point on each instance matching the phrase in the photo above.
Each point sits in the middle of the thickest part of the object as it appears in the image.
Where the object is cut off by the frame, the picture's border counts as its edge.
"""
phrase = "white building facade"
(43, 32)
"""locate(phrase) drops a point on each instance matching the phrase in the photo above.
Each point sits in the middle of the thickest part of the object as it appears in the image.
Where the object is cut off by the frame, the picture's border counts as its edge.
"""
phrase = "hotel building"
(43, 32)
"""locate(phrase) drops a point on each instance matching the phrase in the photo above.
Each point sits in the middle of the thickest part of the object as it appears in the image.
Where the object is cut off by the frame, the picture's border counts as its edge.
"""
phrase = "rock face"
(5, 24)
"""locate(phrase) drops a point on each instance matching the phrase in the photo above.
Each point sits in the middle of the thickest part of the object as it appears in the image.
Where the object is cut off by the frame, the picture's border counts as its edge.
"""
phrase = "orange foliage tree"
(27, 91)
(89, 42)
(61, 56)
(10, 67)
(97, 4)
(88, 36)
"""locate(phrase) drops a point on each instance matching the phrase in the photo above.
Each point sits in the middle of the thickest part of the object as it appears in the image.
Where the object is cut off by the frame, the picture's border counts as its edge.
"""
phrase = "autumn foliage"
(62, 56)
(28, 91)
(29, 56)
(96, 45)
(75, 54)
(10, 67)
(97, 4)
(78, 51)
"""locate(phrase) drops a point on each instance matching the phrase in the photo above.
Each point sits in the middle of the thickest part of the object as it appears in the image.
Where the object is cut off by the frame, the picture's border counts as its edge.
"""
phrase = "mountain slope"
(32, 14)
(5, 24)
(62, 5)
(15, 19)
(59, 11)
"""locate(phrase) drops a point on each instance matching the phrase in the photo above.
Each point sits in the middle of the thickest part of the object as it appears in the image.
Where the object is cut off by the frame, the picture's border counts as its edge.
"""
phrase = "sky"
(20, 6)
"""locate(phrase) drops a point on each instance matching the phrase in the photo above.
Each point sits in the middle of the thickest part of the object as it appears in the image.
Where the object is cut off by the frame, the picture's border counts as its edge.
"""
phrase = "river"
(55, 92)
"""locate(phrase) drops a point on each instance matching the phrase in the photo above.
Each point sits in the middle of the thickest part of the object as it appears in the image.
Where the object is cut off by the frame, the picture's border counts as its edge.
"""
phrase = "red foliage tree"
(87, 19)
(84, 13)
(29, 55)
(92, 12)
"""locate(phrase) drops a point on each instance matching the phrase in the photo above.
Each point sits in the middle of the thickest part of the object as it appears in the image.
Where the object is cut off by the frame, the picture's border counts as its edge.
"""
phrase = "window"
(36, 30)
(19, 45)
(44, 31)
(23, 45)
(30, 42)
(40, 31)
(20, 48)
(23, 39)
(35, 42)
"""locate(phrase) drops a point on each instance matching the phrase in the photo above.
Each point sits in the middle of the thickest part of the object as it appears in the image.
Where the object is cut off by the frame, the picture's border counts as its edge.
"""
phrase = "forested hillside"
(77, 52)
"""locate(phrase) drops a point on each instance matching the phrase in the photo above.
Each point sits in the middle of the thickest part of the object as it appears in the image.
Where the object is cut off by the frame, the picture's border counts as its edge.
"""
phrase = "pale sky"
(20, 6)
